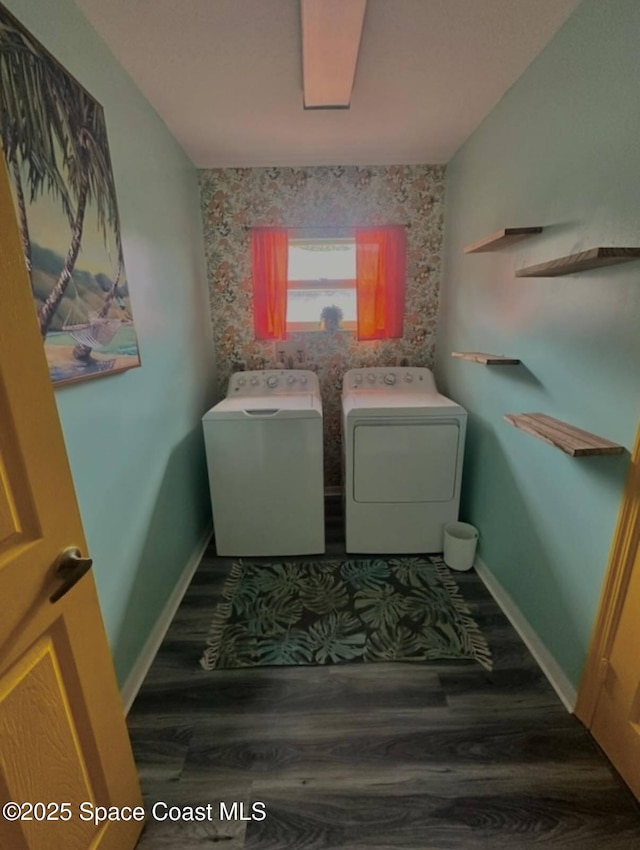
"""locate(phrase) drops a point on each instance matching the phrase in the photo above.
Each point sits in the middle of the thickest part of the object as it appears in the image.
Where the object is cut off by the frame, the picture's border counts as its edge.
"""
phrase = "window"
(321, 273)
(297, 275)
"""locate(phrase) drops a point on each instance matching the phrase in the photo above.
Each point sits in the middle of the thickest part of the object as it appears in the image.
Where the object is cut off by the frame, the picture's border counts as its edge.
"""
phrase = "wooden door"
(609, 700)
(63, 738)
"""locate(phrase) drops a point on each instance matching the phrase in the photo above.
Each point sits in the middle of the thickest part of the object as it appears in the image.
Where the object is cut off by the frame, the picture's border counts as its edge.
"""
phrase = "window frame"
(315, 284)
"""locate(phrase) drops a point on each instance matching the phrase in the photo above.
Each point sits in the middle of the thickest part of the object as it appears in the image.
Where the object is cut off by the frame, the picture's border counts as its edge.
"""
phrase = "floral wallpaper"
(235, 199)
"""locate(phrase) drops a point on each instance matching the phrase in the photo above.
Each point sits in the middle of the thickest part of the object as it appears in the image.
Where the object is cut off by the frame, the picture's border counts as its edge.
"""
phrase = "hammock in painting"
(96, 333)
(99, 329)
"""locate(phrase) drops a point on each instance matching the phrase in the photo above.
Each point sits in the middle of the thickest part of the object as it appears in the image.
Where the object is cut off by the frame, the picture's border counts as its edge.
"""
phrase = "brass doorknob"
(69, 566)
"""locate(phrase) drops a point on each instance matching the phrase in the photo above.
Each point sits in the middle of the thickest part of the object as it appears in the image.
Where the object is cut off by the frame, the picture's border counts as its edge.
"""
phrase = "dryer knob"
(255, 381)
(390, 379)
(291, 379)
(272, 381)
(241, 382)
(303, 379)
(408, 377)
(371, 378)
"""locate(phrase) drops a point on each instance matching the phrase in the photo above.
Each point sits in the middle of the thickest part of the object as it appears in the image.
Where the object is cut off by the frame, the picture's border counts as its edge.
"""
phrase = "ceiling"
(226, 75)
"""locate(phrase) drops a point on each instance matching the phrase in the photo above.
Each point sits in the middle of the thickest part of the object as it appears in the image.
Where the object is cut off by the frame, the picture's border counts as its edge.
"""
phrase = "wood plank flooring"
(434, 756)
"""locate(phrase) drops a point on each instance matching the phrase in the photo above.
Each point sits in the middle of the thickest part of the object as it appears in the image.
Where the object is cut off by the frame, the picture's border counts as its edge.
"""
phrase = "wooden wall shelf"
(572, 441)
(485, 359)
(594, 258)
(504, 237)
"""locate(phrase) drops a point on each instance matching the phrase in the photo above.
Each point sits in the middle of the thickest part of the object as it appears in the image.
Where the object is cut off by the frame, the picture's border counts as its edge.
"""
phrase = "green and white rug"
(331, 612)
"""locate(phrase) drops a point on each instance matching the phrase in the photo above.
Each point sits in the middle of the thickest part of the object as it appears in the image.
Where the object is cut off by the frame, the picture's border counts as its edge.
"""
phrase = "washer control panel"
(391, 379)
(273, 381)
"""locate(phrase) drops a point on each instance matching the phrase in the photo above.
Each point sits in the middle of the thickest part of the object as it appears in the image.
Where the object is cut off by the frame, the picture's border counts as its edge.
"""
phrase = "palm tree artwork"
(54, 140)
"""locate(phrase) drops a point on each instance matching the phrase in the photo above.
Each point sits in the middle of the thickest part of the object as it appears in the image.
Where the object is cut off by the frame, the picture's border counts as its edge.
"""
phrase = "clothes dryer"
(403, 449)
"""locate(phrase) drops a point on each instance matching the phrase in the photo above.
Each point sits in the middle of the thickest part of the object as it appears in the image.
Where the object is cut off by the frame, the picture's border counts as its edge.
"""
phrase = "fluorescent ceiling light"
(331, 31)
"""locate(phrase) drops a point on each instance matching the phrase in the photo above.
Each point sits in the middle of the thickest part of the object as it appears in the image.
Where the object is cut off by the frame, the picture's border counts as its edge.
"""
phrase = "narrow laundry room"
(319, 448)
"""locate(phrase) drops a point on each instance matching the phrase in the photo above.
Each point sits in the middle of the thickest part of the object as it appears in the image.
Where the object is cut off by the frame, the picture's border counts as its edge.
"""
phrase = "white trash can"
(460, 540)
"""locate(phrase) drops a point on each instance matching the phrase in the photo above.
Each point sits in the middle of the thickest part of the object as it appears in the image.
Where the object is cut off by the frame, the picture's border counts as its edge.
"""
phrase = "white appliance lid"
(380, 403)
(298, 406)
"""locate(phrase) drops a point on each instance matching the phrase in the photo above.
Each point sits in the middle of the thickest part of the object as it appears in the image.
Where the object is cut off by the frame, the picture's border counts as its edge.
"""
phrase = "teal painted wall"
(561, 150)
(134, 440)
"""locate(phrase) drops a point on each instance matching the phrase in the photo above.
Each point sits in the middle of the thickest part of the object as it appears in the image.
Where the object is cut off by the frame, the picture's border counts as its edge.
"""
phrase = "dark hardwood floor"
(434, 756)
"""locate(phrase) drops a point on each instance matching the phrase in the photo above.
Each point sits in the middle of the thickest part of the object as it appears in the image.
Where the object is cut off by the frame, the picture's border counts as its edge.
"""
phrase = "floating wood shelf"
(592, 259)
(572, 441)
(485, 359)
(504, 237)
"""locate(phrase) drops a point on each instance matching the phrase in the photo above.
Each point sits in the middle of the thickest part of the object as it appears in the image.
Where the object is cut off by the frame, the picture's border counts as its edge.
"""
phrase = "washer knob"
(291, 379)
(357, 380)
(371, 378)
(272, 381)
(303, 379)
(408, 377)
(390, 379)
(255, 381)
(241, 382)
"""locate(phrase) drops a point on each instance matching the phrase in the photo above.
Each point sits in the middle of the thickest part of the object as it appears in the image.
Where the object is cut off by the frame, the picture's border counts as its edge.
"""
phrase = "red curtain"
(270, 259)
(380, 281)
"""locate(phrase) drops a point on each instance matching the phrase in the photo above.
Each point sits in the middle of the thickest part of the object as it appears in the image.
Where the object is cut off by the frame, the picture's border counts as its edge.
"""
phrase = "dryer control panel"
(406, 379)
(273, 382)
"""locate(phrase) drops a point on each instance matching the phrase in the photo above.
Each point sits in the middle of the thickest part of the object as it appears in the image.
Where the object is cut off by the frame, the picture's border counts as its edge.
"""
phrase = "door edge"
(612, 597)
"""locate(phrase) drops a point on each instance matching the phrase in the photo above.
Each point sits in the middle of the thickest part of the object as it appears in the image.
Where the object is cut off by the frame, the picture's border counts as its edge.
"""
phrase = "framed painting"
(54, 142)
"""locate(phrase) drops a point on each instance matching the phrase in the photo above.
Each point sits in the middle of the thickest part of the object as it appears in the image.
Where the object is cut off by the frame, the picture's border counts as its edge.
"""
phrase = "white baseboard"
(547, 663)
(145, 659)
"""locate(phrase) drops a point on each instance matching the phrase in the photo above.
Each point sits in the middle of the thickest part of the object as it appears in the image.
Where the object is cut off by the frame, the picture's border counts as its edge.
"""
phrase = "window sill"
(316, 331)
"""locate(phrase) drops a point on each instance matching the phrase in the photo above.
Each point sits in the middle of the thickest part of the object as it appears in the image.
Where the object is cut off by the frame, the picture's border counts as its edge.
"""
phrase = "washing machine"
(264, 457)
(403, 448)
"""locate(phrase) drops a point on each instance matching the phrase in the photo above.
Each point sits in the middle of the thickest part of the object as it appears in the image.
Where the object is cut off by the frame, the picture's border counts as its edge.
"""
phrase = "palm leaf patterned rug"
(331, 612)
